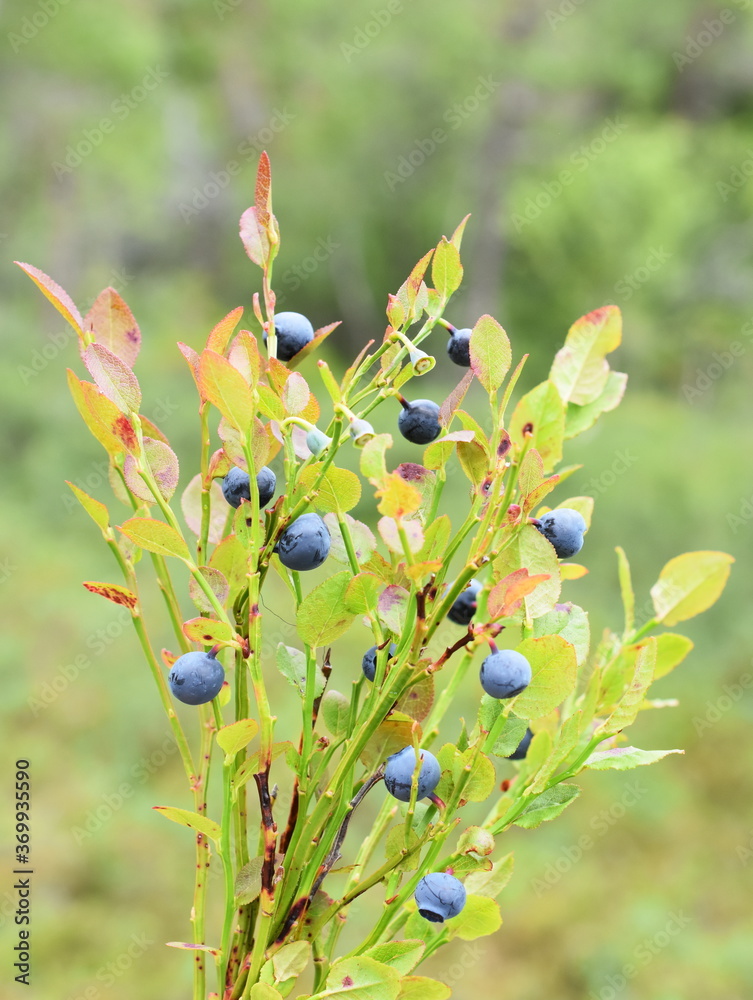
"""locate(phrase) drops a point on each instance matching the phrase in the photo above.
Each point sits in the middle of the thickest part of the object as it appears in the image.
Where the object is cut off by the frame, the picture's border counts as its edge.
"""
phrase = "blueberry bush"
(549, 706)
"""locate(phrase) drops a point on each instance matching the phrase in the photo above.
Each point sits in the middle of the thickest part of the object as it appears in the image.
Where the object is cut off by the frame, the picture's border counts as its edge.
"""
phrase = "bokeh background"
(605, 152)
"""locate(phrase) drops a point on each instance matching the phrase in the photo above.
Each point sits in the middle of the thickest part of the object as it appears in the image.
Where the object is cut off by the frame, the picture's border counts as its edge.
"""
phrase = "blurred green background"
(604, 152)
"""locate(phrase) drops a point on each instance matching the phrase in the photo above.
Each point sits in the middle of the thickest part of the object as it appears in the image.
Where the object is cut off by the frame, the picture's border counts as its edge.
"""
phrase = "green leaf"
(566, 740)
(335, 710)
(547, 806)
(96, 510)
(479, 917)
(162, 462)
(512, 732)
(481, 779)
(418, 699)
(625, 758)
(569, 621)
(291, 960)
(155, 536)
(291, 663)
(361, 535)
(230, 559)
(339, 490)
(403, 956)
(217, 584)
(225, 388)
(554, 669)
(580, 418)
(361, 978)
(627, 710)
(423, 988)
(689, 584)
(208, 630)
(438, 452)
(393, 848)
(436, 539)
(323, 615)
(671, 650)
(626, 589)
(531, 551)
(473, 461)
(56, 295)
(373, 463)
(362, 594)
(476, 840)
(446, 269)
(580, 369)
(190, 504)
(542, 413)
(248, 881)
(263, 991)
(491, 883)
(202, 824)
(252, 764)
(237, 735)
(491, 355)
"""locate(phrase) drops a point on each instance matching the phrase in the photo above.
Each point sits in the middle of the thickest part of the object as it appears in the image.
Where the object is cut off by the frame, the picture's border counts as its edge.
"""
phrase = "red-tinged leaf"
(114, 378)
(155, 536)
(209, 631)
(455, 399)
(230, 558)
(580, 369)
(320, 336)
(190, 503)
(395, 312)
(152, 430)
(220, 336)
(217, 584)
(168, 658)
(56, 295)
(162, 462)
(109, 426)
(113, 592)
(535, 497)
(298, 434)
(491, 355)
(439, 451)
(506, 597)
(226, 389)
(254, 237)
(113, 325)
(457, 237)
(96, 510)
(412, 294)
(263, 190)
(244, 355)
(393, 607)
(219, 465)
(446, 269)
(233, 443)
(193, 362)
(295, 394)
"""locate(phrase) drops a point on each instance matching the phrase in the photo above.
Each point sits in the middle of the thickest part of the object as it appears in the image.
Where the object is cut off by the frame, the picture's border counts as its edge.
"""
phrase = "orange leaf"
(506, 596)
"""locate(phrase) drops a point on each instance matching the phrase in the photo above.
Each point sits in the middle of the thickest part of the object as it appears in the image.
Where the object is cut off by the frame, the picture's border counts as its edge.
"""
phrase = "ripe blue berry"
(236, 486)
(399, 769)
(464, 607)
(564, 528)
(196, 678)
(522, 748)
(293, 332)
(505, 673)
(439, 896)
(305, 543)
(419, 421)
(368, 663)
(459, 347)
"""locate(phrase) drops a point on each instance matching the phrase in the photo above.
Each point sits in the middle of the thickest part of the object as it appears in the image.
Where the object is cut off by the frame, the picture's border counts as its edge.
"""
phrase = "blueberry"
(464, 607)
(522, 748)
(398, 774)
(235, 486)
(564, 528)
(439, 896)
(293, 331)
(459, 347)
(419, 421)
(505, 673)
(368, 663)
(305, 543)
(196, 678)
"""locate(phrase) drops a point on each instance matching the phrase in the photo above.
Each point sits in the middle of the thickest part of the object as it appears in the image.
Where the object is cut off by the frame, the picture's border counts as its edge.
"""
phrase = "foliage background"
(649, 109)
